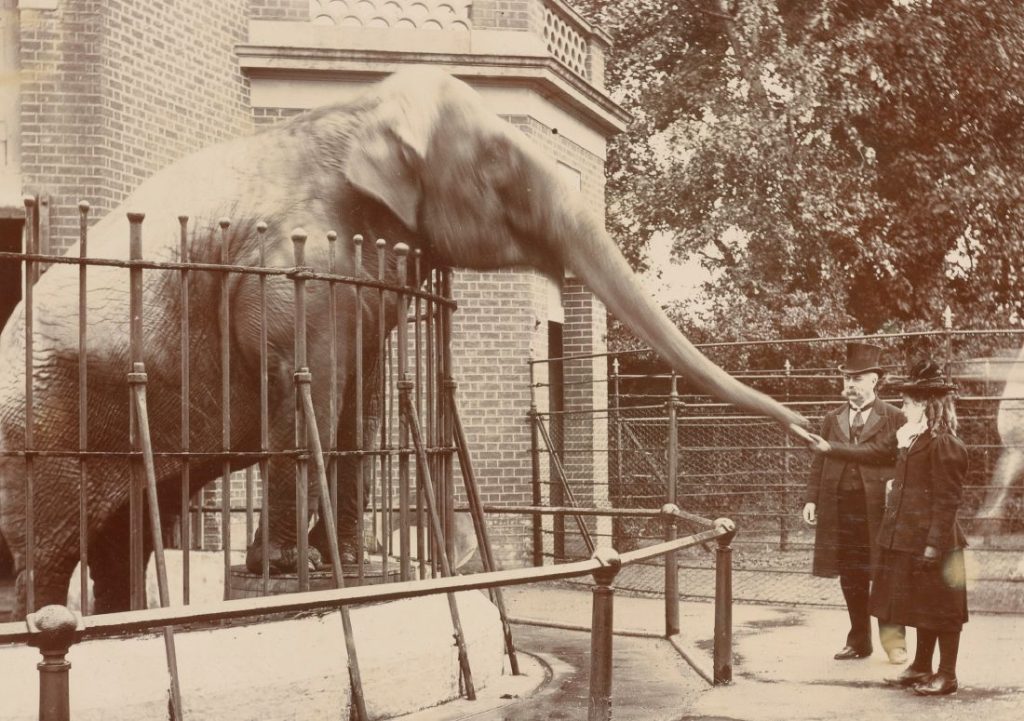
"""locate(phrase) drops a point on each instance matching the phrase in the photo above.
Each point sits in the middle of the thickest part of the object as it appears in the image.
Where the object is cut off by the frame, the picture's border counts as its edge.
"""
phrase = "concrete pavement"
(783, 666)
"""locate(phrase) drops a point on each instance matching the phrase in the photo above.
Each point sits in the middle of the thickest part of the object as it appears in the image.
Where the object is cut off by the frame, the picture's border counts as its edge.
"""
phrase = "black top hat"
(862, 358)
(925, 378)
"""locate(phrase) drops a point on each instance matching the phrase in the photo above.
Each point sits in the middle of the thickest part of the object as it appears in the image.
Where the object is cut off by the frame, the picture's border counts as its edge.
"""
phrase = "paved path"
(783, 668)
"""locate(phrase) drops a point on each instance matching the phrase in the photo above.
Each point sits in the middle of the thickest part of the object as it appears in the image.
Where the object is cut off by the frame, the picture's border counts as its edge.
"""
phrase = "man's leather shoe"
(940, 684)
(849, 652)
(910, 677)
(897, 656)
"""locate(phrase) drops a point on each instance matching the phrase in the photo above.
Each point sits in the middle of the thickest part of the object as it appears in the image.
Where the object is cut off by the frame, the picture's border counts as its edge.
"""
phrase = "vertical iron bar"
(672, 557)
(569, 495)
(43, 220)
(617, 406)
(447, 484)
(186, 425)
(137, 570)
(460, 640)
(421, 546)
(405, 386)
(303, 382)
(308, 441)
(301, 432)
(385, 485)
(332, 318)
(432, 413)
(599, 707)
(947, 332)
(143, 476)
(261, 233)
(787, 443)
(83, 425)
(480, 526)
(359, 424)
(538, 498)
(722, 661)
(225, 400)
(137, 382)
(250, 500)
(30, 535)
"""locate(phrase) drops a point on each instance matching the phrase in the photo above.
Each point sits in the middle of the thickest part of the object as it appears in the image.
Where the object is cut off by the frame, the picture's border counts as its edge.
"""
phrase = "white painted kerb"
(279, 670)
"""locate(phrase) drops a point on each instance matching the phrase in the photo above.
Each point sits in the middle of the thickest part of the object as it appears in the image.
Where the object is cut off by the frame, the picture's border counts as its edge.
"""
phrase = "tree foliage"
(837, 165)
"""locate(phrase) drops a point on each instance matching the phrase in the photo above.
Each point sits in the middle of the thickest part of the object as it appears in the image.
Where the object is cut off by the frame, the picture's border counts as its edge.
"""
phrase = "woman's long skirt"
(910, 593)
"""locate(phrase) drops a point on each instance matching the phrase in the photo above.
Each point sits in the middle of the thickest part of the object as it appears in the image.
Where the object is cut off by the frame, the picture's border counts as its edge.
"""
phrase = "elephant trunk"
(596, 260)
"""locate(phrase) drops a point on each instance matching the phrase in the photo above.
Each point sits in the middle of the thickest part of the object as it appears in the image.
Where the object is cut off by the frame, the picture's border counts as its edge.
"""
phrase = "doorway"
(10, 270)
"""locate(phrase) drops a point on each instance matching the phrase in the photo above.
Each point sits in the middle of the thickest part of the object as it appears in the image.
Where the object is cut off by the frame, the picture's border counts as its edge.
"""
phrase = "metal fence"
(668, 444)
(147, 398)
(129, 391)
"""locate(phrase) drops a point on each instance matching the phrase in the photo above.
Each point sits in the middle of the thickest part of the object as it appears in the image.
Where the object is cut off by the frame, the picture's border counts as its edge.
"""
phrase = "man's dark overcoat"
(823, 481)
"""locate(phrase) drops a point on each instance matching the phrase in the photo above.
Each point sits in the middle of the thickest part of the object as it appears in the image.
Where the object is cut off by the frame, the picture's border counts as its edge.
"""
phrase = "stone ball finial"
(53, 627)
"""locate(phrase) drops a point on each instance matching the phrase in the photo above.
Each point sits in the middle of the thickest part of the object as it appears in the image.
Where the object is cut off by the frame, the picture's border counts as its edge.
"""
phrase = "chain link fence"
(749, 469)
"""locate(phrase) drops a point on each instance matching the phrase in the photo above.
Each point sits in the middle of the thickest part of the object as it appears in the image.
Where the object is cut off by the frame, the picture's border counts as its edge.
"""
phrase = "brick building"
(96, 95)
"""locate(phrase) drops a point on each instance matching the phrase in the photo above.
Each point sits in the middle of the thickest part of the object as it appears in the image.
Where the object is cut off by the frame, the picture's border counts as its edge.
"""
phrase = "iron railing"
(665, 443)
(410, 440)
(55, 629)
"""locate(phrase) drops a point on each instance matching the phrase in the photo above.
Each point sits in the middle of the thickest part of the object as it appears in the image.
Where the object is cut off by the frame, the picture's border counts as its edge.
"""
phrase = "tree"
(838, 165)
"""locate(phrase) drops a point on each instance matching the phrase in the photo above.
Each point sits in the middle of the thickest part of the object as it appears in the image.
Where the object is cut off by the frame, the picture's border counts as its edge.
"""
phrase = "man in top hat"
(845, 501)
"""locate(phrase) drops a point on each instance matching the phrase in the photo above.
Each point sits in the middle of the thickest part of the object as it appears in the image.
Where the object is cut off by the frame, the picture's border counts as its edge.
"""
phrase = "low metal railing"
(55, 629)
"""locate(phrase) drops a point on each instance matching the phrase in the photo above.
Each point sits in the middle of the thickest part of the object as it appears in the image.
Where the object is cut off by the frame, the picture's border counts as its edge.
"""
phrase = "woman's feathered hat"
(925, 378)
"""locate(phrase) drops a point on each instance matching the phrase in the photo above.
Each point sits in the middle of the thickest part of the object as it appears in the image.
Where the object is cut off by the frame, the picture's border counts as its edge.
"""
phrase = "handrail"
(54, 629)
(293, 272)
(148, 619)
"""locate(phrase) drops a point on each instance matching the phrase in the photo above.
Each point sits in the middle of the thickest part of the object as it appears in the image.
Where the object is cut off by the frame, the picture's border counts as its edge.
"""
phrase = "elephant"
(1010, 466)
(417, 159)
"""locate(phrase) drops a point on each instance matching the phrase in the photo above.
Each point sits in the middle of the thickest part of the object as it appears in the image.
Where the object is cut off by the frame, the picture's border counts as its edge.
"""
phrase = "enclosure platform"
(244, 584)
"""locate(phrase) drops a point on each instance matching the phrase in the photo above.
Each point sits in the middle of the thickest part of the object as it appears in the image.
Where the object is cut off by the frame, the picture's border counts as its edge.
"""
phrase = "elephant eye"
(501, 167)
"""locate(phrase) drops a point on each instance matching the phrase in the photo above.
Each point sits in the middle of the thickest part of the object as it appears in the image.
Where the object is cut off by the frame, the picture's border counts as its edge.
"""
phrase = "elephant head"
(483, 197)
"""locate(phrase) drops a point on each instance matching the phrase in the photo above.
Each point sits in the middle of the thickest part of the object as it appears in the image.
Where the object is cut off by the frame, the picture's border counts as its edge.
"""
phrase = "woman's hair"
(939, 411)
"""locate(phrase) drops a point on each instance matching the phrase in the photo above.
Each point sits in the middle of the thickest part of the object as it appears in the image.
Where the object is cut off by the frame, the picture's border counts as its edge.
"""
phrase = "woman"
(920, 580)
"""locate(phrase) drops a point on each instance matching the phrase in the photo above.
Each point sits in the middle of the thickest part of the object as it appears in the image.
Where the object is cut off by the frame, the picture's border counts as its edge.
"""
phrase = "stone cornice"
(510, 59)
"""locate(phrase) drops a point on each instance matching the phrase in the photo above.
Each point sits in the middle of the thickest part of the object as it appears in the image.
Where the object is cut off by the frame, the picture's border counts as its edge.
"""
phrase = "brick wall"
(586, 433)
(510, 308)
(116, 89)
(61, 133)
(502, 14)
(297, 10)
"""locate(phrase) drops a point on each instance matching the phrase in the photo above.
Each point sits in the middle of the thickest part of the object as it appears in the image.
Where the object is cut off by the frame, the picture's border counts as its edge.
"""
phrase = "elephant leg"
(54, 544)
(282, 528)
(110, 553)
(348, 511)
(52, 577)
(109, 565)
(350, 472)
(1009, 468)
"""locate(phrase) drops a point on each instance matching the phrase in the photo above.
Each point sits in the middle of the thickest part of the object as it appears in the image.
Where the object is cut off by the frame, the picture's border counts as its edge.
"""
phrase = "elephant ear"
(390, 148)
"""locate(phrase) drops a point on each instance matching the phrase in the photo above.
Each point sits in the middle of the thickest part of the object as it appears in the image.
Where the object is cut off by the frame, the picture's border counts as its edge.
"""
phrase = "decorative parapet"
(534, 57)
(410, 15)
(565, 35)
(564, 40)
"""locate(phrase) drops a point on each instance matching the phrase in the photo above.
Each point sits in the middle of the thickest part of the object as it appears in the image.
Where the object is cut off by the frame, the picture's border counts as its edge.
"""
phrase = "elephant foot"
(350, 553)
(282, 560)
